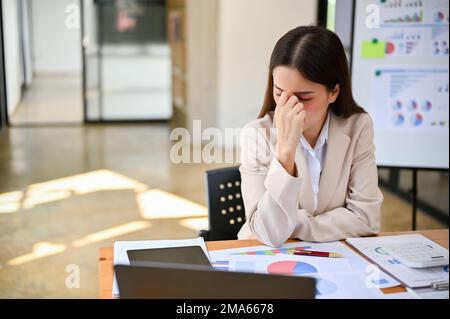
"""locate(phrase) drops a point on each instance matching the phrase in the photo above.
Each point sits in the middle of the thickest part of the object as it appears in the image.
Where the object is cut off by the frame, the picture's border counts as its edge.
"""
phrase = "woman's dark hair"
(319, 56)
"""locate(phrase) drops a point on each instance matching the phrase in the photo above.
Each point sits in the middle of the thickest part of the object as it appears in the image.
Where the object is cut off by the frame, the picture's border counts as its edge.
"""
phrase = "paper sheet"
(411, 277)
(429, 293)
(121, 247)
(349, 277)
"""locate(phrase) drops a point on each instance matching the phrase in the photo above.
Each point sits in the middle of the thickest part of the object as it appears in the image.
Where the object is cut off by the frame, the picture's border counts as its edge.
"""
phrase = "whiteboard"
(400, 64)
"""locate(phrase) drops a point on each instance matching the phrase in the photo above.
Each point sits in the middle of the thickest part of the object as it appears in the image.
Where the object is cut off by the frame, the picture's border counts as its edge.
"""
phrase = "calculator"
(417, 254)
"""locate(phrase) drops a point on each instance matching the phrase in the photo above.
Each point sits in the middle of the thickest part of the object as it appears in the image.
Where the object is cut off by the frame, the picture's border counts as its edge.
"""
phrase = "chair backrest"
(225, 204)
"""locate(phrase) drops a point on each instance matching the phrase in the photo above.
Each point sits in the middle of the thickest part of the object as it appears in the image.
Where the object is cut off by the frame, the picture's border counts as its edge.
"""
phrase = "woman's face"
(315, 97)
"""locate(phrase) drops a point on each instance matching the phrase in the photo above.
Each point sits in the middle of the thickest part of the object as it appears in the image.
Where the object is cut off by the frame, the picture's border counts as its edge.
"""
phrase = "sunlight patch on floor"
(39, 250)
(158, 204)
(10, 202)
(62, 188)
(195, 223)
(111, 233)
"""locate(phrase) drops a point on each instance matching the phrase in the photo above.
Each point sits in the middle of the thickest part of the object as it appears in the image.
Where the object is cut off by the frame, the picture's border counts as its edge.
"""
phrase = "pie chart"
(416, 119)
(398, 119)
(412, 105)
(426, 106)
(325, 287)
(390, 48)
(439, 16)
(291, 267)
(397, 105)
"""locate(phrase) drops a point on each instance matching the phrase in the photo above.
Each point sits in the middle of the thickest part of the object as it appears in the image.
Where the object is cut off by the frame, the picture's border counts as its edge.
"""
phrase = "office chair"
(225, 206)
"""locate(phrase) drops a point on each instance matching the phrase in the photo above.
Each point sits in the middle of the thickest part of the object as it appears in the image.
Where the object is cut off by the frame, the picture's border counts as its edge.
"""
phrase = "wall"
(248, 31)
(229, 43)
(202, 35)
(12, 54)
(57, 48)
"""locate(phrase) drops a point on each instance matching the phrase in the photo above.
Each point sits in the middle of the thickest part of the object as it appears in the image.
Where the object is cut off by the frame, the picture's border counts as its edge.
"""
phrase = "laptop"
(192, 255)
(154, 280)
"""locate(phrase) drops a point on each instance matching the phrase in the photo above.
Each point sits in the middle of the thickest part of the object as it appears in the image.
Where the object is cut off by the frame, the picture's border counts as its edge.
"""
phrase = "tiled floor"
(41, 102)
(65, 192)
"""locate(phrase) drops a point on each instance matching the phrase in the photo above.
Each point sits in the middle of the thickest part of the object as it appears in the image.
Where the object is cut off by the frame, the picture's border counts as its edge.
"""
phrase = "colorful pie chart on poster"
(398, 119)
(412, 105)
(291, 268)
(439, 16)
(397, 105)
(416, 119)
(426, 106)
(390, 48)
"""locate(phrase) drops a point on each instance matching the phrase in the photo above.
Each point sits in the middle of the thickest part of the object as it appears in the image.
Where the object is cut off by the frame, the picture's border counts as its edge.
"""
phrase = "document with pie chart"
(336, 277)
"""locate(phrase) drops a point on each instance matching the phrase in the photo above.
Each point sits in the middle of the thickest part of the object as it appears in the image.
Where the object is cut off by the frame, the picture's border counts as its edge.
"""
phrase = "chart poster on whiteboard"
(400, 74)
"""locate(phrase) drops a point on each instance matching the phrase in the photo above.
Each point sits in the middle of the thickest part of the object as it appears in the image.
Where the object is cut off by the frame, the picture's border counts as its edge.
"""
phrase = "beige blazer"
(279, 206)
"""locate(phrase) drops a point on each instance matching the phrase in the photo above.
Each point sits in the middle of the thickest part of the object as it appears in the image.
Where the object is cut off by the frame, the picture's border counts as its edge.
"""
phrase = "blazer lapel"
(337, 146)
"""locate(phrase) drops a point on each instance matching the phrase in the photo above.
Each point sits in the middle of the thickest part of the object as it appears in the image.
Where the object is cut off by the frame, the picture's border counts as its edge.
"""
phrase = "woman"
(308, 165)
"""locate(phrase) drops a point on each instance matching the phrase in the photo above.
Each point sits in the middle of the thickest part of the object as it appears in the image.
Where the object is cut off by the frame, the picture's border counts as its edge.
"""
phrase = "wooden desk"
(106, 257)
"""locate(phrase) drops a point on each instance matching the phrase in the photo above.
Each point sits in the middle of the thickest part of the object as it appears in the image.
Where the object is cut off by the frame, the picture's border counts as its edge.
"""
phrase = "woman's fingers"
(301, 116)
(280, 104)
(297, 108)
(289, 116)
(283, 99)
(291, 102)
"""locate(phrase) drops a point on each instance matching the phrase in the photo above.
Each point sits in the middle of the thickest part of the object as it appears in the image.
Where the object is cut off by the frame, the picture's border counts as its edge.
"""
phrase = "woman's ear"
(334, 94)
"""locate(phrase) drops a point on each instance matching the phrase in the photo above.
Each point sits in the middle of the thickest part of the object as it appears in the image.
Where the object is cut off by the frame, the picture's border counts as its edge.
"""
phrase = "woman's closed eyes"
(299, 95)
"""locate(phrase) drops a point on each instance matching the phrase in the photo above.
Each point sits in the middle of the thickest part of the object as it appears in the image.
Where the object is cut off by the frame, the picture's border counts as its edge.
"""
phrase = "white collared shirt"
(316, 157)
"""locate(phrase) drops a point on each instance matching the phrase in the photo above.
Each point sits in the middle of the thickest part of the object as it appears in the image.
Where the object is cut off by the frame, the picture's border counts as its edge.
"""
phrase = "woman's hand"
(289, 119)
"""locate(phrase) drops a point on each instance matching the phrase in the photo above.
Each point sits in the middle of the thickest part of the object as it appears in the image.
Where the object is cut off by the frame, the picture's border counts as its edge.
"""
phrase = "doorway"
(42, 62)
(114, 66)
(127, 61)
